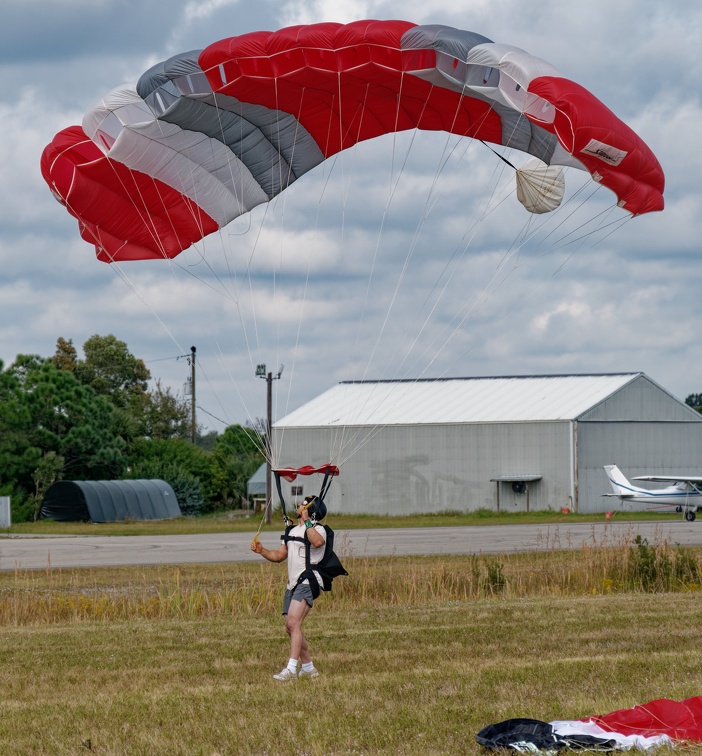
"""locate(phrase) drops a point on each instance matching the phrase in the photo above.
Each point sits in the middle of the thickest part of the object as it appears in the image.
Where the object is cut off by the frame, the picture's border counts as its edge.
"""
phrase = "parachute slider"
(540, 187)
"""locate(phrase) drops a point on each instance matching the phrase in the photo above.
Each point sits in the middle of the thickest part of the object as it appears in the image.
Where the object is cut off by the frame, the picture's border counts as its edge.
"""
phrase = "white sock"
(292, 665)
(308, 666)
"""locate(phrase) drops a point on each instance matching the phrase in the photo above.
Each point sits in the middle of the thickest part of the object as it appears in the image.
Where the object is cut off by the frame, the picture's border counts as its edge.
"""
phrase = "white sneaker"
(285, 675)
(312, 673)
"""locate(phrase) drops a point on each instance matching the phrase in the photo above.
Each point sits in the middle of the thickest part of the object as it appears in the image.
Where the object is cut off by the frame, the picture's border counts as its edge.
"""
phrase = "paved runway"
(37, 552)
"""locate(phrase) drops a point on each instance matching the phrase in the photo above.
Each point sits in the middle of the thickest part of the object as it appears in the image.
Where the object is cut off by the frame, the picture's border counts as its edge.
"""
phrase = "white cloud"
(295, 12)
(203, 10)
(350, 274)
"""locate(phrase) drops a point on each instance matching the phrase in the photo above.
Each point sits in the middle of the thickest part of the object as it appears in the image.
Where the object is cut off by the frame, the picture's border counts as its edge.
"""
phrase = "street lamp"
(269, 378)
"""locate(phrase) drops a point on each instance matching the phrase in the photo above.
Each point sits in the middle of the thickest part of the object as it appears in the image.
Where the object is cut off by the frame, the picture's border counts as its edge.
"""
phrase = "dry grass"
(253, 589)
(416, 655)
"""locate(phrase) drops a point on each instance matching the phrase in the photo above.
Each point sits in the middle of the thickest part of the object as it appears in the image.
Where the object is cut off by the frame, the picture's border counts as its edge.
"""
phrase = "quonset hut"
(510, 443)
(109, 501)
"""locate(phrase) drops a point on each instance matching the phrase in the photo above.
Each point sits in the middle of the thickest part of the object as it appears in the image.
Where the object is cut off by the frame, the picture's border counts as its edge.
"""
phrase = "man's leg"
(293, 625)
(295, 611)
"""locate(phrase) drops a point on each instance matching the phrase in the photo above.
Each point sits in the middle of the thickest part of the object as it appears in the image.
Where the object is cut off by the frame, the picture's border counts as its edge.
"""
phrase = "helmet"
(317, 510)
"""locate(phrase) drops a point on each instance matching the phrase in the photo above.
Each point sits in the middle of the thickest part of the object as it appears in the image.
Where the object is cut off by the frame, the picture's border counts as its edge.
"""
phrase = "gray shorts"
(301, 592)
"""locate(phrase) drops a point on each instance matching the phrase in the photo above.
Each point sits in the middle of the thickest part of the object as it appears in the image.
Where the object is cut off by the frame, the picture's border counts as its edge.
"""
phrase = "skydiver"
(299, 596)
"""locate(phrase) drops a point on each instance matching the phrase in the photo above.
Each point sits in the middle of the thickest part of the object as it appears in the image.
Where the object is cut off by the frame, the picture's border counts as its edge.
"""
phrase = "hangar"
(256, 484)
(509, 443)
(109, 501)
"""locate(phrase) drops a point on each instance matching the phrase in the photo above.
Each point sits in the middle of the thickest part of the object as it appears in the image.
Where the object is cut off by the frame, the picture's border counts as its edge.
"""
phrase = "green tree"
(51, 425)
(197, 480)
(241, 440)
(161, 414)
(695, 401)
(19, 456)
(111, 370)
(47, 472)
(70, 420)
(238, 453)
(208, 441)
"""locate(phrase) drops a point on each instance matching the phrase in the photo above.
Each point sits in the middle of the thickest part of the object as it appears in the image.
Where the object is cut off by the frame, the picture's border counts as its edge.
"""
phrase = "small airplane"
(684, 493)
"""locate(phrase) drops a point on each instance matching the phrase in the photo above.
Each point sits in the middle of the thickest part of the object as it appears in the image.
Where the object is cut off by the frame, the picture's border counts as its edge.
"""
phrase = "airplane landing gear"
(690, 515)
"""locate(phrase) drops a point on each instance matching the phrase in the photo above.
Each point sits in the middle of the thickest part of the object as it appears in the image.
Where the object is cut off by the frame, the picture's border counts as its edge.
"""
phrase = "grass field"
(416, 655)
(237, 522)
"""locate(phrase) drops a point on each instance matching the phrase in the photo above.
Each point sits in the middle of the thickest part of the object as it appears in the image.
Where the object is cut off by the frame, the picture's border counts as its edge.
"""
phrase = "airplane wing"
(670, 478)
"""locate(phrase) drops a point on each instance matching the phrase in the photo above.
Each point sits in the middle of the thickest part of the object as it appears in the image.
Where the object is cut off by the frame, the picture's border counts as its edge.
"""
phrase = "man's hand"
(256, 545)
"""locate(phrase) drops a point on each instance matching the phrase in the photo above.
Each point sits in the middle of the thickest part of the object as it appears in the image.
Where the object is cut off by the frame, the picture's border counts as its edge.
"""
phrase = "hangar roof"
(458, 400)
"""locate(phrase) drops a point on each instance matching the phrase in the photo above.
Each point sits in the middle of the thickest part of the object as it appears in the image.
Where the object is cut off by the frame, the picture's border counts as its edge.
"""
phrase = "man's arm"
(316, 538)
(277, 555)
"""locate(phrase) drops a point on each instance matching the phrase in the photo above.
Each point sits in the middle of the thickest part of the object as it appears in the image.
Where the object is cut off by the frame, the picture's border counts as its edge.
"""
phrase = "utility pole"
(269, 378)
(192, 394)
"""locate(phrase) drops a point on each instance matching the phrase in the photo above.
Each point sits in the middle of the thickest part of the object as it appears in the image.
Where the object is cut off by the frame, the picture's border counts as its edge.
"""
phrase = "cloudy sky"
(403, 258)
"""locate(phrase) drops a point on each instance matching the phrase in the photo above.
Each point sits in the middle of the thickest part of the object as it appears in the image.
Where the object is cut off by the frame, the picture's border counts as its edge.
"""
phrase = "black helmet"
(317, 510)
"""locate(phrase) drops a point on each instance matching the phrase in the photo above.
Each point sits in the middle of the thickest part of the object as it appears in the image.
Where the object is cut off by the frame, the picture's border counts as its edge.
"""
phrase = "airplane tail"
(620, 484)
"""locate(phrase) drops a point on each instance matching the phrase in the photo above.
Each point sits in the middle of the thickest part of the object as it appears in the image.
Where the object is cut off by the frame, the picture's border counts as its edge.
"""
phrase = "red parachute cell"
(126, 214)
(586, 128)
(679, 720)
(345, 83)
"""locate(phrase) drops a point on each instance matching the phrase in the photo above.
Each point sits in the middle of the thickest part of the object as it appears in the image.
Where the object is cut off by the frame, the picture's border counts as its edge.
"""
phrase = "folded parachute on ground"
(646, 726)
(207, 135)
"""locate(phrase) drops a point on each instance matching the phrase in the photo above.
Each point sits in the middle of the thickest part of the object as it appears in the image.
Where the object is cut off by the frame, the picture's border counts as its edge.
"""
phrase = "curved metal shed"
(109, 501)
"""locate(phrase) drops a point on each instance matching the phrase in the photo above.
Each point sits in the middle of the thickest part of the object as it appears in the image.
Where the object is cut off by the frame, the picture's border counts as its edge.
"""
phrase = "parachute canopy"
(290, 473)
(661, 722)
(207, 135)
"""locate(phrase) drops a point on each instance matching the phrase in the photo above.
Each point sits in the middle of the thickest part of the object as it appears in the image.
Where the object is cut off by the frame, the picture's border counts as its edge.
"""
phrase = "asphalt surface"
(42, 552)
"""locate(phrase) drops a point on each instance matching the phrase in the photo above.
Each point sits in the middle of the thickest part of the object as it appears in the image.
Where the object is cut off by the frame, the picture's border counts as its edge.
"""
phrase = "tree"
(111, 370)
(239, 452)
(51, 425)
(208, 441)
(196, 479)
(162, 414)
(19, 456)
(66, 356)
(70, 420)
(241, 440)
(695, 400)
(47, 472)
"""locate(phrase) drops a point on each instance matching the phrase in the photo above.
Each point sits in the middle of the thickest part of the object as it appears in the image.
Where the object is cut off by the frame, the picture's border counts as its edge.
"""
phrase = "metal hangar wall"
(508, 442)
